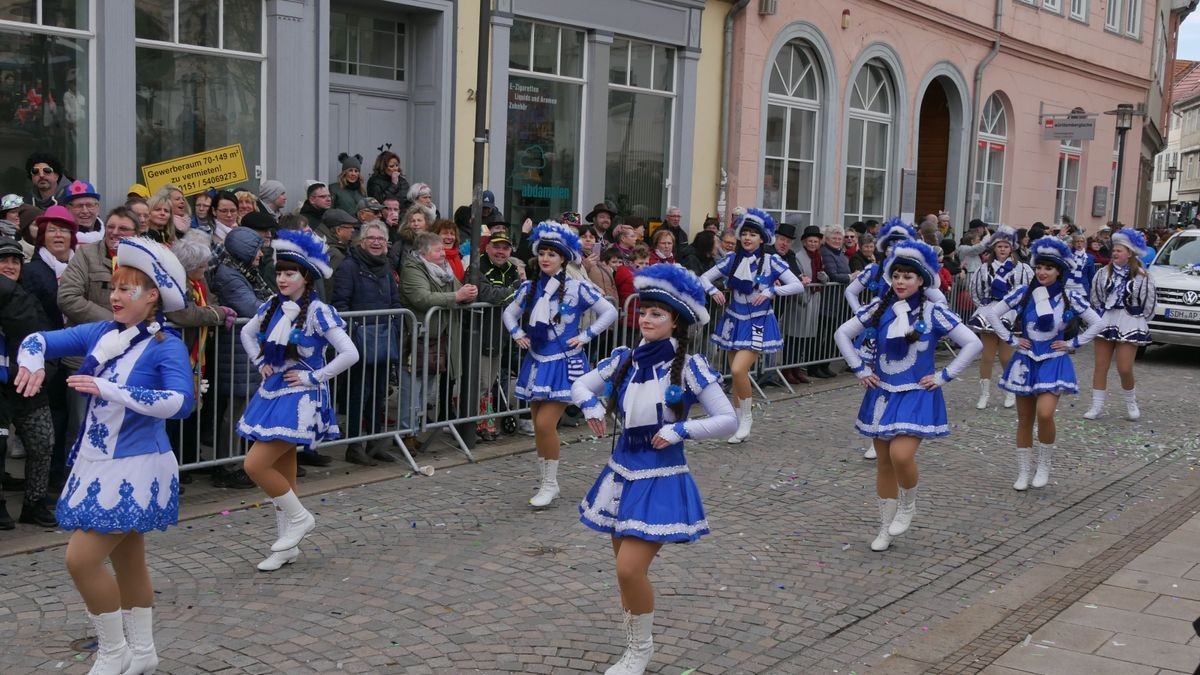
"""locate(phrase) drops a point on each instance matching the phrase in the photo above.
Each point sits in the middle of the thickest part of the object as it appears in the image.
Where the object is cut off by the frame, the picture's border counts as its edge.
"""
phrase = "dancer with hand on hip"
(903, 402)
(1041, 370)
(124, 479)
(1124, 295)
(544, 320)
(645, 496)
(748, 327)
(286, 340)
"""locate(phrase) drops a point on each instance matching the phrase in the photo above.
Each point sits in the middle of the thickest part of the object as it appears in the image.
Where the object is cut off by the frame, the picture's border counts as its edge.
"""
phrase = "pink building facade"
(857, 109)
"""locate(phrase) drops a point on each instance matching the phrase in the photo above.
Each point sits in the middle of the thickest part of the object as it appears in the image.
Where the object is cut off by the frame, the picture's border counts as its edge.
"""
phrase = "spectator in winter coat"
(705, 252)
(272, 198)
(317, 200)
(421, 193)
(974, 243)
(865, 255)
(387, 179)
(416, 220)
(497, 278)
(349, 186)
(338, 227)
(365, 282)
(47, 181)
(833, 260)
(448, 231)
(55, 246)
(662, 247)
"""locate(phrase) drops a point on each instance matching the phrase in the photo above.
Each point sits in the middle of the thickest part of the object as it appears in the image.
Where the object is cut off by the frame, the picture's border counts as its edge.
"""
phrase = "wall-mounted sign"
(193, 174)
(1099, 201)
(1068, 128)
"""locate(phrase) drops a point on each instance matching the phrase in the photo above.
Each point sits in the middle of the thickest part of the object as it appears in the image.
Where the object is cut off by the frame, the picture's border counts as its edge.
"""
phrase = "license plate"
(1182, 314)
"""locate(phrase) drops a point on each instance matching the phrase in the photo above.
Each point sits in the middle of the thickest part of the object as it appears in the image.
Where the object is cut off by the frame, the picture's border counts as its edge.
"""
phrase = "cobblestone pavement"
(456, 574)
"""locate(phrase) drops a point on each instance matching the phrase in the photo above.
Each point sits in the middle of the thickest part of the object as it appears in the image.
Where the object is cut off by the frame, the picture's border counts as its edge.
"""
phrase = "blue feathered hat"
(917, 255)
(1004, 233)
(676, 287)
(759, 220)
(558, 237)
(305, 249)
(1131, 239)
(892, 231)
(1052, 251)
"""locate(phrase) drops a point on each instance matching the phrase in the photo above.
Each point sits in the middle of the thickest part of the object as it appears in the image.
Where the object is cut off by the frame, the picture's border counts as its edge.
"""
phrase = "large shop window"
(1067, 190)
(43, 88)
(640, 107)
(989, 161)
(545, 99)
(793, 107)
(869, 139)
(199, 78)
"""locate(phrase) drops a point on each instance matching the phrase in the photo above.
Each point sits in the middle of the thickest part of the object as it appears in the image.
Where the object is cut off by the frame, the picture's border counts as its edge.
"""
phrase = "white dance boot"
(1131, 408)
(299, 522)
(1024, 460)
(905, 511)
(139, 632)
(112, 652)
(281, 558)
(1045, 454)
(887, 512)
(548, 490)
(1010, 399)
(639, 645)
(869, 453)
(745, 415)
(985, 392)
(1098, 396)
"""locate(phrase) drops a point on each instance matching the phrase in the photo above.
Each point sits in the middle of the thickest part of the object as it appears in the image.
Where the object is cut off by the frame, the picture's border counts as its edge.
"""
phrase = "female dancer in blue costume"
(1040, 370)
(748, 326)
(544, 319)
(903, 403)
(124, 479)
(645, 496)
(991, 282)
(286, 340)
(1124, 295)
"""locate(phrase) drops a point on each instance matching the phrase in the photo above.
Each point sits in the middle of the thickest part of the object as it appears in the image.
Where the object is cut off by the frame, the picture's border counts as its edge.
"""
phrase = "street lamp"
(1172, 174)
(1124, 114)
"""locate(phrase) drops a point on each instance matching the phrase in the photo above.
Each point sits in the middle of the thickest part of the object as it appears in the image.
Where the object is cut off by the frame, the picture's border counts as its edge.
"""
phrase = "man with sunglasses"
(46, 179)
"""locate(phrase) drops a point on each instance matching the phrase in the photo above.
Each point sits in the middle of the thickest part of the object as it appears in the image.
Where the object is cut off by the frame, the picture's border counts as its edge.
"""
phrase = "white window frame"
(1079, 10)
(1052, 6)
(669, 169)
(1133, 19)
(790, 103)
(1113, 16)
(402, 35)
(1067, 153)
(986, 142)
(858, 163)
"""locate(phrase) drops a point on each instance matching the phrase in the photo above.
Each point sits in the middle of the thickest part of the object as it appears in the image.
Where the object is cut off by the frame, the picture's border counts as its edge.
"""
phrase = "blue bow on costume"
(1000, 285)
(642, 398)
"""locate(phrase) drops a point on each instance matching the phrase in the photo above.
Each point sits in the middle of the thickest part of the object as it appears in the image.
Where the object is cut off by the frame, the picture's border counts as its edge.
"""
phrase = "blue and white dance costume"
(644, 492)
(872, 279)
(743, 324)
(124, 477)
(551, 365)
(994, 280)
(1043, 314)
(1125, 302)
(302, 414)
(899, 406)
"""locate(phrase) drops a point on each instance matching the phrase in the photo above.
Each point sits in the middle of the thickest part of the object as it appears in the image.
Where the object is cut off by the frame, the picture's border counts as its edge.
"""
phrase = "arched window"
(793, 108)
(989, 161)
(869, 143)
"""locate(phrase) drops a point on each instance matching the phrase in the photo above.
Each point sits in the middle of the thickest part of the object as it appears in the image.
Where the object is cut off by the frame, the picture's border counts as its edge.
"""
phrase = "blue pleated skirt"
(1024, 376)
(915, 412)
(735, 334)
(549, 380)
(280, 412)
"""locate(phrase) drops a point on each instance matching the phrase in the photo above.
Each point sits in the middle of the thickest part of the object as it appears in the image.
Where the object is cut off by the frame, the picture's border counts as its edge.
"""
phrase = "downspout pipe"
(726, 103)
(976, 111)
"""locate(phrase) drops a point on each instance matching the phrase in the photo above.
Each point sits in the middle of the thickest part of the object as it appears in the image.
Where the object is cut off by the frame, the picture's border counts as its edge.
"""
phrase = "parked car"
(1176, 274)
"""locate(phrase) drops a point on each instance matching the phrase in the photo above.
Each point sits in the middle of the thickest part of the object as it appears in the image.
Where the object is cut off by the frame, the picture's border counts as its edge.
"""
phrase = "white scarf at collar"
(54, 263)
(1041, 302)
(900, 326)
(220, 230)
(541, 313)
(282, 331)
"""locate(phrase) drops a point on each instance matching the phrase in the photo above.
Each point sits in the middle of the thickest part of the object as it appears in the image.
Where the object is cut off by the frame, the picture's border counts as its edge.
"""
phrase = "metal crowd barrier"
(459, 366)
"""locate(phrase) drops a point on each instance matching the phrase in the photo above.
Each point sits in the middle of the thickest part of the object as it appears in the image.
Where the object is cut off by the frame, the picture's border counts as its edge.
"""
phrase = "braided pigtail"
(618, 377)
(681, 355)
(1019, 324)
(271, 309)
(888, 299)
(562, 291)
(913, 334)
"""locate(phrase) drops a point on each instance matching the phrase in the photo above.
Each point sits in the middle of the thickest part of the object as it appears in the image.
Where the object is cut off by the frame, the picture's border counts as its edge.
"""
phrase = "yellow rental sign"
(193, 174)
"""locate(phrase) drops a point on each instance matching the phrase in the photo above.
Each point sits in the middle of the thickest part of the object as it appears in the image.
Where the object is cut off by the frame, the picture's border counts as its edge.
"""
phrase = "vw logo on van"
(1191, 298)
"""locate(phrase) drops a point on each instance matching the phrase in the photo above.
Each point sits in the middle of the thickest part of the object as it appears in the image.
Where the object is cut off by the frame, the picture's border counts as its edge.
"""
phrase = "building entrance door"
(360, 122)
(933, 149)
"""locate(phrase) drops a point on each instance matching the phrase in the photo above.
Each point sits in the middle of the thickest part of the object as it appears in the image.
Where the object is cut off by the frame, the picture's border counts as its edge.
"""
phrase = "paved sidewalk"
(1138, 622)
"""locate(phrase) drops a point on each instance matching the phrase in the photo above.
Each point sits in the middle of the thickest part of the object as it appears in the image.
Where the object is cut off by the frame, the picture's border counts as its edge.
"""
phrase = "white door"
(360, 123)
